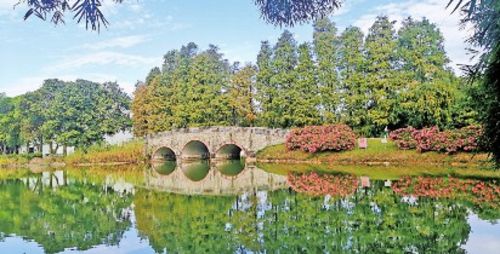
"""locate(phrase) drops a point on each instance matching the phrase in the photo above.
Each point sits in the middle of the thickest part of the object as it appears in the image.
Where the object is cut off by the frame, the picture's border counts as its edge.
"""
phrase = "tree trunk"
(51, 147)
(65, 150)
(40, 146)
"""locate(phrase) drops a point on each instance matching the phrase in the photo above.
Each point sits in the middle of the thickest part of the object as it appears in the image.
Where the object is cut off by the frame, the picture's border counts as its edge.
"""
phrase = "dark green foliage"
(484, 17)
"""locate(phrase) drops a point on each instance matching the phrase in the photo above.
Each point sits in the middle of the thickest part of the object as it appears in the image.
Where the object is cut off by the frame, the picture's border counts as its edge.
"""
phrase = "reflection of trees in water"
(484, 195)
(289, 222)
(76, 215)
(183, 224)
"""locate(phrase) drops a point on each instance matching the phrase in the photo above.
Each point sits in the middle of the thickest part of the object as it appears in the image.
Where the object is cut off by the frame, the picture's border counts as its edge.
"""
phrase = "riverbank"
(129, 153)
(379, 157)
(376, 154)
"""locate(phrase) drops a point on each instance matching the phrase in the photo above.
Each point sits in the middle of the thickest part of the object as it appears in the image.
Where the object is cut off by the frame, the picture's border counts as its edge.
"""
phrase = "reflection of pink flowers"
(320, 185)
(473, 190)
(431, 139)
(321, 138)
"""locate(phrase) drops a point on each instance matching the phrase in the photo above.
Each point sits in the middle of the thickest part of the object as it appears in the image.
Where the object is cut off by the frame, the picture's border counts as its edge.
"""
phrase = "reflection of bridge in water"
(225, 177)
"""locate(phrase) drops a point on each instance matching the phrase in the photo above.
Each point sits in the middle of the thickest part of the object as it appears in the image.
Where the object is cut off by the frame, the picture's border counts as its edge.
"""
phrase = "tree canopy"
(77, 113)
(387, 78)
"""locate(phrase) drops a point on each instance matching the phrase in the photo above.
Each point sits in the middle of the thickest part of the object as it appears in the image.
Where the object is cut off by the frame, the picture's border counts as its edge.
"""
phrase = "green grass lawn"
(377, 153)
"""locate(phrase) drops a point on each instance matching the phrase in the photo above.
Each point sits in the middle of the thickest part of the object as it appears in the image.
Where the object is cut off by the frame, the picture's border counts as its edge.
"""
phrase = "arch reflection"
(165, 168)
(230, 167)
(195, 170)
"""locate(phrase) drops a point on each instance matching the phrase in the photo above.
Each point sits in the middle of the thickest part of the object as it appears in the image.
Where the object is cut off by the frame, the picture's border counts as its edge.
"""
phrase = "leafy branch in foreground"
(276, 12)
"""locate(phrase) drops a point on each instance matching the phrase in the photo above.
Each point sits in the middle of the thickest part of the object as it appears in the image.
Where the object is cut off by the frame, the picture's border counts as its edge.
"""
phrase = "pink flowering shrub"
(314, 139)
(403, 138)
(431, 139)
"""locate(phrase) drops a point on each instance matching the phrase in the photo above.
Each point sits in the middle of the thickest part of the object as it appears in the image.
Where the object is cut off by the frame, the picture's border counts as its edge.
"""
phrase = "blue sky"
(142, 31)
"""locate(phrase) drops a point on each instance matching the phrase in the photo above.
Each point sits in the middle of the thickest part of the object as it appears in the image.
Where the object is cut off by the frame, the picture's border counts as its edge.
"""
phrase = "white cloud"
(436, 12)
(103, 58)
(118, 42)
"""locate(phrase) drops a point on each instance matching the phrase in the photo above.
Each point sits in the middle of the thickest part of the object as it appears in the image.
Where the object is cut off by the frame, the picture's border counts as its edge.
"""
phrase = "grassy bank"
(381, 172)
(128, 153)
(13, 160)
(376, 154)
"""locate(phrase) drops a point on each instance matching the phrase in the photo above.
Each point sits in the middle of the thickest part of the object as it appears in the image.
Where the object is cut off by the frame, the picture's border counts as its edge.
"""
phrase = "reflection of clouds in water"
(484, 237)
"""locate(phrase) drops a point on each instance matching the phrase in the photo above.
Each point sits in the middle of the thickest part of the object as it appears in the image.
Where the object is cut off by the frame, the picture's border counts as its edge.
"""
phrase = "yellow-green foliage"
(376, 153)
(13, 173)
(100, 174)
(12, 160)
(131, 152)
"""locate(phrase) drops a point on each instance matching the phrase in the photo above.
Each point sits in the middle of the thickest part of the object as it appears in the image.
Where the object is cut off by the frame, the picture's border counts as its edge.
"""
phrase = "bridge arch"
(195, 149)
(164, 154)
(230, 151)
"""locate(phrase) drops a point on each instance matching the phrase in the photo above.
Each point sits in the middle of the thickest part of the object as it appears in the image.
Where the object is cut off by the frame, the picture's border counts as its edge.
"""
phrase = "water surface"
(230, 207)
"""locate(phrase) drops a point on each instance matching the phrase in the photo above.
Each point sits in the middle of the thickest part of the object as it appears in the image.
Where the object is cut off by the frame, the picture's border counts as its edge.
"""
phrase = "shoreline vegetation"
(378, 161)
(376, 153)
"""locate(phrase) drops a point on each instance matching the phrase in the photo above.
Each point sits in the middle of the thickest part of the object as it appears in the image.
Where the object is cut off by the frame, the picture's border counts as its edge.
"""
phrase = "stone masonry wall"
(250, 139)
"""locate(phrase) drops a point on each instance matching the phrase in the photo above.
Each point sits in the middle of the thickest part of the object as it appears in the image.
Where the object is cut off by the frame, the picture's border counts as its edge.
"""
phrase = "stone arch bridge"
(212, 142)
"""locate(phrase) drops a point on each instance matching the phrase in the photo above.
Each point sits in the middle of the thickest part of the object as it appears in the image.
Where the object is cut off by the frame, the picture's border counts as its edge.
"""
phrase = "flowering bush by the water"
(320, 185)
(321, 138)
(403, 138)
(431, 139)
(475, 191)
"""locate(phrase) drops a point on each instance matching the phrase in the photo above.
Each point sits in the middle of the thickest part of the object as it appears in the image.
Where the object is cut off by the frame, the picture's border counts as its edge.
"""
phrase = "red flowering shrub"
(475, 191)
(431, 139)
(321, 138)
(403, 138)
(320, 185)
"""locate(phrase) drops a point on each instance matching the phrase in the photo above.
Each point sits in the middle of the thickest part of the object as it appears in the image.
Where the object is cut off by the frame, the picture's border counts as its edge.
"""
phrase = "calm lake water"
(227, 207)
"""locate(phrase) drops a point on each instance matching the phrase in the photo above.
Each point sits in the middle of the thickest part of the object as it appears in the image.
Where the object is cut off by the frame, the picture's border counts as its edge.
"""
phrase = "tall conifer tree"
(325, 48)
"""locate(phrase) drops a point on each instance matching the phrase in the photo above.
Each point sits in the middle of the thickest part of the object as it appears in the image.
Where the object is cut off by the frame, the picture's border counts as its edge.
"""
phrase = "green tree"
(304, 102)
(77, 113)
(380, 48)
(351, 68)
(430, 89)
(265, 93)
(284, 76)
(241, 96)
(325, 47)
(10, 129)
